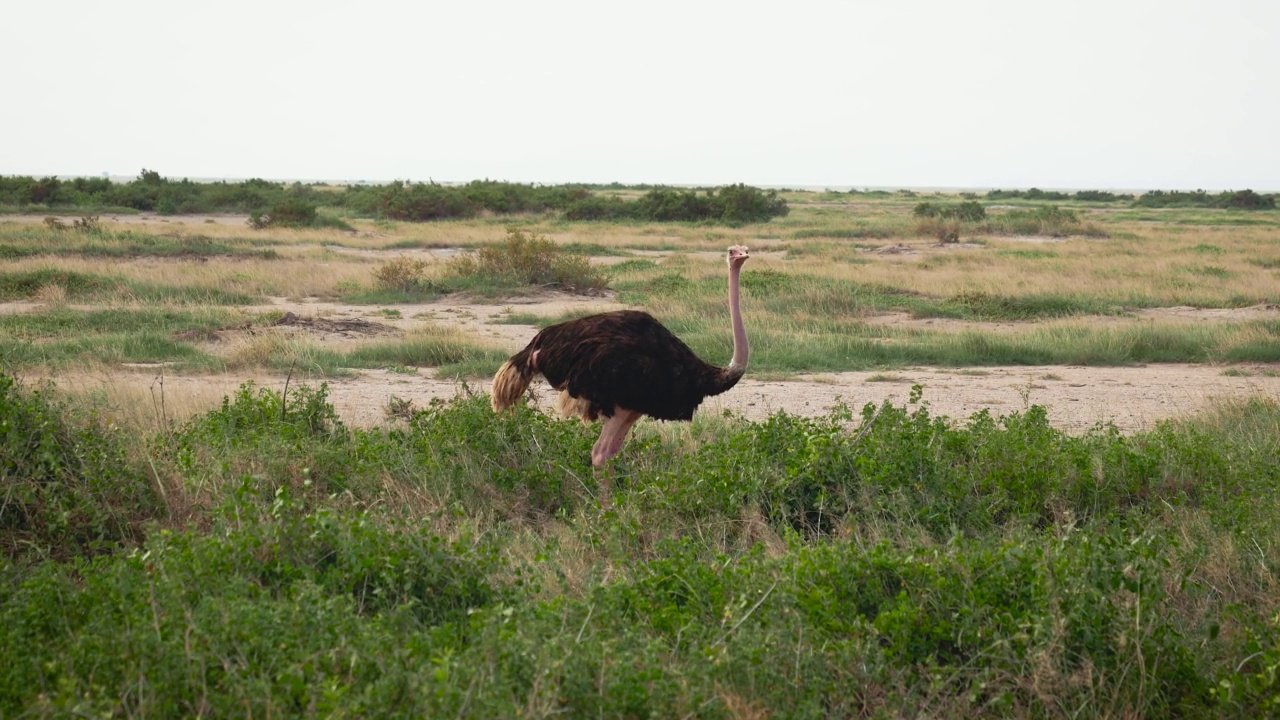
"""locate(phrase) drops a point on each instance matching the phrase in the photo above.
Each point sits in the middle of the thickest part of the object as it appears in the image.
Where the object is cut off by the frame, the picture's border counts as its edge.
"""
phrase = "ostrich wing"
(624, 359)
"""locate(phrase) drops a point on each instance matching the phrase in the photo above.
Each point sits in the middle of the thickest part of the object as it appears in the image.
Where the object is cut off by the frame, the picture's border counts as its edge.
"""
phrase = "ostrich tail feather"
(509, 384)
(570, 406)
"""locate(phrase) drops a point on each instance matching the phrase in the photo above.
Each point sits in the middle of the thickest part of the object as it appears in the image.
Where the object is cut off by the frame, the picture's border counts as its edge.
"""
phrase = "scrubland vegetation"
(275, 205)
(265, 558)
(261, 556)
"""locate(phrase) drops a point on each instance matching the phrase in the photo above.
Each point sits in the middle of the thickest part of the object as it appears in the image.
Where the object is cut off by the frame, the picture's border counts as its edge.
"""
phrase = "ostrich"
(623, 365)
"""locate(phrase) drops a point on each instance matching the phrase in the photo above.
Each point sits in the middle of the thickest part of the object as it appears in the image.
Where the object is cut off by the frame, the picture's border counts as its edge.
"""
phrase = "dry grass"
(1208, 265)
(1142, 264)
(1166, 270)
(141, 400)
(312, 273)
(269, 349)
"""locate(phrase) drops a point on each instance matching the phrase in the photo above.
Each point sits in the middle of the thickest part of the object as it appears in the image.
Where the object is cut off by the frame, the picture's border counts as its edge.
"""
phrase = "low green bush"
(1240, 199)
(527, 259)
(69, 488)
(970, 211)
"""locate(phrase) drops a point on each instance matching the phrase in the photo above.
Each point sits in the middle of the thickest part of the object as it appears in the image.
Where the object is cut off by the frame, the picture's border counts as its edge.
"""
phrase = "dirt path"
(1076, 398)
(138, 218)
(1134, 398)
(481, 321)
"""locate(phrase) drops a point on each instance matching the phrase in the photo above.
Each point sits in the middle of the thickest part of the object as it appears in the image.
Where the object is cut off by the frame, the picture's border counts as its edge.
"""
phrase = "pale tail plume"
(509, 384)
(570, 406)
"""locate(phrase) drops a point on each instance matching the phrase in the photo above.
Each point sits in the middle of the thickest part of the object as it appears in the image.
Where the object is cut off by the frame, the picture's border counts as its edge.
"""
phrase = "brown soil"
(140, 219)
(1076, 397)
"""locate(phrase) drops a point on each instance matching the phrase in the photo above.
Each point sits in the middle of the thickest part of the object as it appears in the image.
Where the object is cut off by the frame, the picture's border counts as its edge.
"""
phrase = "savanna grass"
(25, 240)
(817, 314)
(81, 287)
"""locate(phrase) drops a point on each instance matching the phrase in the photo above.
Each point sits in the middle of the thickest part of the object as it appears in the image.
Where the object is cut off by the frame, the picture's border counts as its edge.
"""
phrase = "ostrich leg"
(612, 435)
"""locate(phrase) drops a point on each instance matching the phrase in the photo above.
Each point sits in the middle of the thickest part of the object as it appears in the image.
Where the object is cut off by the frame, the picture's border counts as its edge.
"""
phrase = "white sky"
(1134, 94)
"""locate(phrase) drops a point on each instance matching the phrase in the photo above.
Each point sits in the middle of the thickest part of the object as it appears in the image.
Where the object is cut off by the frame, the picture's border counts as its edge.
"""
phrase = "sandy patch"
(139, 219)
(1264, 311)
(426, 254)
(477, 320)
(1076, 398)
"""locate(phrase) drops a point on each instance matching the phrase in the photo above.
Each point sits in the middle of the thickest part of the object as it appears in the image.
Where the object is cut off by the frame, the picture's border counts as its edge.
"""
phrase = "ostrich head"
(738, 255)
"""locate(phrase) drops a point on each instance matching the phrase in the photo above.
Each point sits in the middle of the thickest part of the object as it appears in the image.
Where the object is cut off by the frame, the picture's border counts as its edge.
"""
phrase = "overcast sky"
(1135, 94)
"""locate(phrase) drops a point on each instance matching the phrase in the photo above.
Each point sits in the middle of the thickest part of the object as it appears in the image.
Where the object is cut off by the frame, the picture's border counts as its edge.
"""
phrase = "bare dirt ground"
(1076, 398)
(139, 219)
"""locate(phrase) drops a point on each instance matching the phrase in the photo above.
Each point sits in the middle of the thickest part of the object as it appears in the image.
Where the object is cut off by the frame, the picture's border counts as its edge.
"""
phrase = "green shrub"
(970, 211)
(892, 563)
(403, 273)
(1049, 220)
(293, 212)
(1101, 196)
(1241, 199)
(21, 285)
(68, 488)
(946, 231)
(274, 611)
(526, 259)
(731, 204)
(420, 202)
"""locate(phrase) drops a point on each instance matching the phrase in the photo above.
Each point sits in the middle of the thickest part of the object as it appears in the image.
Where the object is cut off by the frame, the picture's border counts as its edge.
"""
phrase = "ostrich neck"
(740, 348)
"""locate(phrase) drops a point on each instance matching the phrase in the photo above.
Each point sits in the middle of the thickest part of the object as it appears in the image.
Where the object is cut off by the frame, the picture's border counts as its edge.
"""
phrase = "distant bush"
(1032, 194)
(286, 213)
(293, 213)
(1049, 220)
(945, 230)
(948, 222)
(732, 204)
(1240, 200)
(1101, 196)
(399, 200)
(1054, 195)
(402, 274)
(24, 284)
(1246, 200)
(969, 211)
(528, 259)
(600, 208)
(945, 221)
(87, 224)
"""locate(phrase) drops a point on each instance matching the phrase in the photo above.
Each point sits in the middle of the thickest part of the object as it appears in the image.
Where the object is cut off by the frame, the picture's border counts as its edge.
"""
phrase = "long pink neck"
(740, 347)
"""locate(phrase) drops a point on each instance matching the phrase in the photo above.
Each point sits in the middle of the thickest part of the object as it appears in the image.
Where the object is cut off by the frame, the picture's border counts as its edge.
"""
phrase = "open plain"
(1158, 272)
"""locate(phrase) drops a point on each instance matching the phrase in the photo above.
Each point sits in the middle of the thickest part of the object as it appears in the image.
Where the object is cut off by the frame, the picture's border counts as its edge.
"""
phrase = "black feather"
(626, 359)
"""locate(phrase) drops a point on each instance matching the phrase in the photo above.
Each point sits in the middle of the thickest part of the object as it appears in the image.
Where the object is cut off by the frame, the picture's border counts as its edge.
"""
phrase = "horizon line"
(765, 186)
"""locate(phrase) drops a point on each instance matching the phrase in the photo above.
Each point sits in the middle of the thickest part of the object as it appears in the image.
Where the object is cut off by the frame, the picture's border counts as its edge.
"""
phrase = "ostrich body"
(622, 366)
